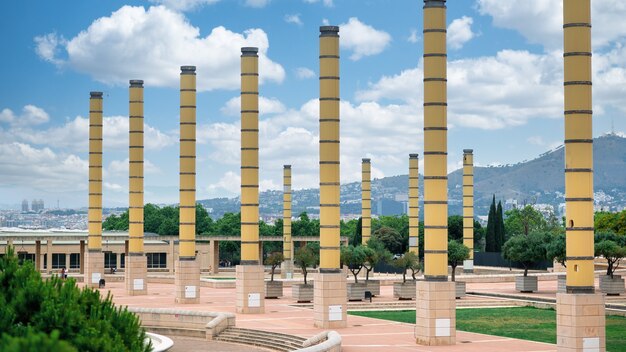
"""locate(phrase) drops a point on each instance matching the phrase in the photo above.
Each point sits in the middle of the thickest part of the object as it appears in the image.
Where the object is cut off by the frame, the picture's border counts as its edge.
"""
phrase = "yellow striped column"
(366, 200)
(94, 258)
(414, 198)
(435, 327)
(287, 266)
(577, 327)
(468, 207)
(136, 263)
(187, 275)
(250, 275)
(330, 285)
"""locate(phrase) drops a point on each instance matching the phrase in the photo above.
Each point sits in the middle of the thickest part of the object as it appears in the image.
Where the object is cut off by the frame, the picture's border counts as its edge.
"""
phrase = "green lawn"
(521, 322)
(221, 278)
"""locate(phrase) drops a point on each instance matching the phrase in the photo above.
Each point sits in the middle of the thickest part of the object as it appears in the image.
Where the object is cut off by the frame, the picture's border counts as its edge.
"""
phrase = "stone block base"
(612, 286)
(94, 268)
(250, 291)
(135, 272)
(580, 322)
(302, 293)
(286, 269)
(526, 284)
(460, 289)
(329, 301)
(435, 323)
(404, 290)
(187, 281)
(273, 289)
(468, 266)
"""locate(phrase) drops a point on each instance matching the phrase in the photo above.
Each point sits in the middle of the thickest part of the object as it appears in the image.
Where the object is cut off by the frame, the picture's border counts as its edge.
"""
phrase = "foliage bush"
(457, 253)
(70, 318)
(274, 260)
(409, 261)
(304, 258)
(526, 250)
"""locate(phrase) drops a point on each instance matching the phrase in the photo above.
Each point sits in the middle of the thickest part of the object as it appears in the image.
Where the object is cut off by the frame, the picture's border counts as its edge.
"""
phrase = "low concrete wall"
(184, 322)
(325, 341)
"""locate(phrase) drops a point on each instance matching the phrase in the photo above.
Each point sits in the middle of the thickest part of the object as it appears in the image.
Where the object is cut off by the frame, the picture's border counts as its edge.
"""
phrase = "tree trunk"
(404, 276)
(525, 270)
(304, 273)
(453, 270)
(272, 275)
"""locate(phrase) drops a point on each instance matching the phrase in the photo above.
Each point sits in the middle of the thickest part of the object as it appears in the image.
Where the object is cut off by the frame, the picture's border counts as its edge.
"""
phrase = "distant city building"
(36, 206)
(25, 205)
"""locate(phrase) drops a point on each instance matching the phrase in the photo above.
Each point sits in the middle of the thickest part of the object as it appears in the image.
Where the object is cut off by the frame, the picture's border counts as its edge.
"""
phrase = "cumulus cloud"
(31, 115)
(295, 19)
(266, 106)
(184, 5)
(362, 39)
(48, 47)
(120, 167)
(304, 73)
(153, 44)
(413, 37)
(460, 32)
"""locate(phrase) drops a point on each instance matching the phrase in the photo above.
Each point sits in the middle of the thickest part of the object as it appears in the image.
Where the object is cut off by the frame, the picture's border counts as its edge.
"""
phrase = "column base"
(435, 323)
(135, 273)
(286, 269)
(468, 266)
(250, 283)
(580, 322)
(187, 281)
(329, 301)
(94, 268)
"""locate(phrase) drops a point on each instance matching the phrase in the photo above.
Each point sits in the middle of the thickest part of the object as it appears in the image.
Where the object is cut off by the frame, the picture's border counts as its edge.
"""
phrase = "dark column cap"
(188, 68)
(95, 94)
(468, 151)
(287, 166)
(136, 83)
(414, 156)
(366, 160)
(434, 3)
(249, 51)
(329, 31)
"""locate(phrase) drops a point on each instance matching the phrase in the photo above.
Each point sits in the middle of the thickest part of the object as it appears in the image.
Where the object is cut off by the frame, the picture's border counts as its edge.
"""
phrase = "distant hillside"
(540, 181)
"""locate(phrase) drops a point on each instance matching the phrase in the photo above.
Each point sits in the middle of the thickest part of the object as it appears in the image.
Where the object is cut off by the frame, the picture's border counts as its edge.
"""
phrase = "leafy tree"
(304, 258)
(455, 227)
(556, 250)
(479, 236)
(228, 225)
(204, 223)
(526, 250)
(354, 258)
(390, 237)
(491, 243)
(612, 252)
(274, 260)
(522, 221)
(305, 226)
(378, 254)
(409, 261)
(457, 253)
(611, 222)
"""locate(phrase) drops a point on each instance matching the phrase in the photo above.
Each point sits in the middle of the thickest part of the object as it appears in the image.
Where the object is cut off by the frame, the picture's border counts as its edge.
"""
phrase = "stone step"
(259, 338)
(262, 337)
(269, 333)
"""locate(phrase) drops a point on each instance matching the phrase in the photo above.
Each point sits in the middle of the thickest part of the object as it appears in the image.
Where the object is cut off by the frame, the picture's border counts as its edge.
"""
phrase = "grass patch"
(221, 278)
(525, 323)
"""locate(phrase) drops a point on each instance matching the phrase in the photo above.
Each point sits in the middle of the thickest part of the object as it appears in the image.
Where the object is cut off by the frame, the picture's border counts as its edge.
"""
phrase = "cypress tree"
(490, 235)
(500, 227)
(358, 236)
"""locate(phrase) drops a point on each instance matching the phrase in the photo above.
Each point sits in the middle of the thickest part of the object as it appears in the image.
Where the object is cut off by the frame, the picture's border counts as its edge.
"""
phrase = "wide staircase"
(264, 339)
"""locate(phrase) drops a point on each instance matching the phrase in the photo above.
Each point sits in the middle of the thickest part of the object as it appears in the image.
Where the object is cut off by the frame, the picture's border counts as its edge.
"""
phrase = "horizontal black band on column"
(329, 141)
(249, 186)
(468, 206)
(468, 217)
(96, 167)
(330, 205)
(186, 223)
(579, 289)
(187, 89)
(435, 30)
(249, 130)
(187, 106)
(249, 262)
(434, 79)
(249, 148)
(135, 161)
(435, 227)
(95, 194)
(249, 242)
(571, 112)
(329, 271)
(249, 93)
(135, 146)
(187, 206)
(578, 141)
(329, 56)
(329, 120)
(187, 173)
(435, 251)
(467, 196)
(414, 187)
(135, 101)
(249, 223)
(435, 202)
(579, 199)
(436, 278)
(435, 128)
(329, 247)
(578, 170)
(250, 111)
(329, 77)
(435, 177)
(95, 111)
(579, 258)
(95, 152)
(435, 153)
(95, 222)
(577, 24)
(250, 167)
(577, 53)
(135, 192)
(329, 183)
(187, 139)
(435, 55)
(188, 123)
(95, 125)
(95, 139)
(577, 83)
(414, 177)
(135, 222)
(329, 163)
(137, 207)
(435, 104)
(249, 74)
(329, 226)
(136, 131)
(187, 156)
(579, 229)
(330, 99)
(249, 204)
(96, 208)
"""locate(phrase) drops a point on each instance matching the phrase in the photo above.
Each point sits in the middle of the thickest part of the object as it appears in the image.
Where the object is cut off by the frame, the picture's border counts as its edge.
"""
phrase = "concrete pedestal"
(135, 273)
(250, 283)
(468, 266)
(329, 301)
(580, 322)
(436, 313)
(187, 281)
(286, 269)
(94, 267)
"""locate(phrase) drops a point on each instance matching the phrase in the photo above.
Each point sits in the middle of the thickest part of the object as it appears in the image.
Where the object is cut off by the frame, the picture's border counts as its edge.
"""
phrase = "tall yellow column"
(468, 207)
(250, 274)
(330, 285)
(579, 329)
(287, 266)
(94, 258)
(366, 200)
(136, 263)
(187, 268)
(435, 326)
(414, 207)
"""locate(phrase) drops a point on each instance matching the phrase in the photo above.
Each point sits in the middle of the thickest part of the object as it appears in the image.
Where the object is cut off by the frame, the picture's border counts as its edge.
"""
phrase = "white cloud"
(152, 44)
(295, 19)
(536, 140)
(413, 37)
(108, 186)
(230, 182)
(266, 106)
(460, 32)
(120, 167)
(327, 3)
(257, 3)
(304, 73)
(31, 115)
(362, 39)
(184, 5)
(541, 21)
(47, 47)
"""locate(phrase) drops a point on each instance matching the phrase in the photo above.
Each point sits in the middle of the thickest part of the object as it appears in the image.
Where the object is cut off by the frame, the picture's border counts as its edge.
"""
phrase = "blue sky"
(504, 87)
